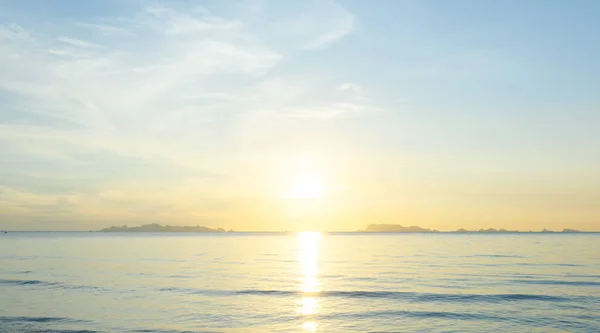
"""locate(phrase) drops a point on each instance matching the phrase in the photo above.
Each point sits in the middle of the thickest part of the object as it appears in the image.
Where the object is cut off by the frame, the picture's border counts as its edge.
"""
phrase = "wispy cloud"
(326, 112)
(175, 22)
(76, 42)
(311, 24)
(338, 27)
(67, 53)
(107, 30)
(170, 101)
(13, 32)
(352, 87)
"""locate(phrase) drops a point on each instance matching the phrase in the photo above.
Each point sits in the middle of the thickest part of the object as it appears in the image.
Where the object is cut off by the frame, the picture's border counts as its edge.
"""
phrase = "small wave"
(362, 278)
(416, 296)
(45, 330)
(498, 256)
(39, 324)
(559, 282)
(332, 276)
(32, 319)
(415, 314)
(398, 295)
(27, 282)
(538, 264)
(204, 292)
(53, 285)
(591, 276)
(76, 287)
(169, 331)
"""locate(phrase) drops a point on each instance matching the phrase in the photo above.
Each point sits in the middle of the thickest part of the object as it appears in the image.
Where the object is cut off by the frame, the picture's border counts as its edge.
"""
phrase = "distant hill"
(490, 230)
(395, 228)
(564, 231)
(416, 229)
(159, 228)
(370, 228)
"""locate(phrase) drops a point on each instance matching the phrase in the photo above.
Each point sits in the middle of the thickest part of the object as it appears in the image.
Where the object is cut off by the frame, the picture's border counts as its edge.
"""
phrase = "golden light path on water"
(308, 257)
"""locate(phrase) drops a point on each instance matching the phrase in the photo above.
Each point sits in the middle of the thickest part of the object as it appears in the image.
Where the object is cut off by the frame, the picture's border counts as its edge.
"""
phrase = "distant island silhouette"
(396, 228)
(160, 228)
(374, 228)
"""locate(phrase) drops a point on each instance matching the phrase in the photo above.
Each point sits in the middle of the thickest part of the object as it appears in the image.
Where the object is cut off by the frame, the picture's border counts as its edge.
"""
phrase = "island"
(371, 228)
(570, 231)
(490, 230)
(397, 228)
(160, 228)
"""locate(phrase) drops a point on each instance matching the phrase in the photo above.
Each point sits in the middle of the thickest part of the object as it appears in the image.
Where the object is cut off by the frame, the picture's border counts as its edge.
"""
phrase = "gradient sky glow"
(442, 114)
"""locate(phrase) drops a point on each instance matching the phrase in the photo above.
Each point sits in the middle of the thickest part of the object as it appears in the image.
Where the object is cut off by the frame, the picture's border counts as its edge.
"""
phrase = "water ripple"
(557, 282)
(397, 295)
(28, 282)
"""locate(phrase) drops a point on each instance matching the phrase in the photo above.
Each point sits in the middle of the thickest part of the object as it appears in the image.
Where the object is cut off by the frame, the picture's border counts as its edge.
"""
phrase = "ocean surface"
(308, 282)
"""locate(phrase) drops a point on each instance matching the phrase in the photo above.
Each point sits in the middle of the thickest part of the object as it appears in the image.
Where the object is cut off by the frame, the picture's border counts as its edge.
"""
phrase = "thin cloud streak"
(76, 42)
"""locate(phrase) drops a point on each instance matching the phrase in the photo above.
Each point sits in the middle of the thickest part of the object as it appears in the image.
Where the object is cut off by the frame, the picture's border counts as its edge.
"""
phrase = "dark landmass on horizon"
(159, 228)
(372, 228)
(396, 228)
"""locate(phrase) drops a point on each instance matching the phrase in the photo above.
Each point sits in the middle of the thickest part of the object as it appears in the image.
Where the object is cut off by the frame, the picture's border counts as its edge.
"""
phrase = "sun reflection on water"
(308, 249)
(310, 326)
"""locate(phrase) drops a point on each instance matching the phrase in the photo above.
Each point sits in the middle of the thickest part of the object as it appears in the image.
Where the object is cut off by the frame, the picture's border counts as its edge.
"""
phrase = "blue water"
(95, 282)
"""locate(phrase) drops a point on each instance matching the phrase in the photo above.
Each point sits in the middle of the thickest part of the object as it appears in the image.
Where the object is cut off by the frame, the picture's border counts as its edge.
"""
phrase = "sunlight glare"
(310, 306)
(310, 326)
(308, 257)
(307, 186)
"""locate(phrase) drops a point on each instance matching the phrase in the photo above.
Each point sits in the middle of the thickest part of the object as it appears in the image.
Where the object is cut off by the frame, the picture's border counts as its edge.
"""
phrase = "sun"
(307, 186)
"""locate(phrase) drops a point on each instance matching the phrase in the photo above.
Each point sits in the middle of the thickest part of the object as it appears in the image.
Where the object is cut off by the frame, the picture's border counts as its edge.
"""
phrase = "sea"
(304, 282)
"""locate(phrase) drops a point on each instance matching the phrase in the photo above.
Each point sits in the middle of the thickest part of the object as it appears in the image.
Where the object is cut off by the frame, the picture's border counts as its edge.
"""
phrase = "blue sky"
(443, 114)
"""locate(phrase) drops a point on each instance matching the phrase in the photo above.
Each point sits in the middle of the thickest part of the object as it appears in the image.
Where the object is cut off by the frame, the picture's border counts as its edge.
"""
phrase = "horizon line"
(324, 232)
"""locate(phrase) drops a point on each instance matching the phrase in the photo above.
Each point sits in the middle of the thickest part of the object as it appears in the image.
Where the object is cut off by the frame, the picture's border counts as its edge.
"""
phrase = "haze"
(312, 115)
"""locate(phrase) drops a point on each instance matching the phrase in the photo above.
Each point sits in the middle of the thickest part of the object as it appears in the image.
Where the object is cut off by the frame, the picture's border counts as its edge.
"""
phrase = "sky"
(299, 115)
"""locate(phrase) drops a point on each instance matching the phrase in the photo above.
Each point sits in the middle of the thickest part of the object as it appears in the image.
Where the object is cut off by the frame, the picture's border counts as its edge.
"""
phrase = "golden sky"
(323, 115)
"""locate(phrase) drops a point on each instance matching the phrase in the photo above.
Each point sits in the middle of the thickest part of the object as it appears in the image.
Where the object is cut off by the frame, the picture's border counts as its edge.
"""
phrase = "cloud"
(352, 87)
(138, 77)
(95, 116)
(13, 32)
(308, 25)
(107, 30)
(119, 94)
(327, 112)
(76, 42)
(175, 22)
(337, 28)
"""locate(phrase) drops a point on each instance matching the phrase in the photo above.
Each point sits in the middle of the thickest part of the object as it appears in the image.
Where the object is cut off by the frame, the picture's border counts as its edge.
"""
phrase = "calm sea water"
(95, 282)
